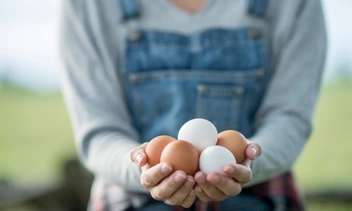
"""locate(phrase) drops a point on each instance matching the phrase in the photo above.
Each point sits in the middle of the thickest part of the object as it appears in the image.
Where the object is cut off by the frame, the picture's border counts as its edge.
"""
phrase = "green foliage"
(35, 134)
(325, 162)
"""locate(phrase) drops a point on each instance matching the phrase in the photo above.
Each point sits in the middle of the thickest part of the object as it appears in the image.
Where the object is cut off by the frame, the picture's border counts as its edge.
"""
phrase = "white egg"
(199, 132)
(214, 159)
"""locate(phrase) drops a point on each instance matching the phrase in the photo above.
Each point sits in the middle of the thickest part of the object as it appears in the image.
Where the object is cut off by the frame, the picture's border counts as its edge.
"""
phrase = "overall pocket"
(221, 104)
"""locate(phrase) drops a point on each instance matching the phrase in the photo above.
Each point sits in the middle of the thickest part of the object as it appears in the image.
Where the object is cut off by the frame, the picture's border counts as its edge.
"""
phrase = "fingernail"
(229, 169)
(254, 150)
(192, 194)
(146, 180)
(198, 189)
(216, 179)
(165, 169)
(189, 183)
(139, 158)
(200, 179)
(179, 177)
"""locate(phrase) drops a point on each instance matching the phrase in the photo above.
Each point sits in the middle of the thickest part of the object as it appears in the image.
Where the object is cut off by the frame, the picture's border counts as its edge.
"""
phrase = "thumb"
(138, 155)
(253, 150)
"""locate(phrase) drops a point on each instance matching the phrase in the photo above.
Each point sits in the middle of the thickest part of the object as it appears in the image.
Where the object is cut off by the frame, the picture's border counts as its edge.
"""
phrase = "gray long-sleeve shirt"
(91, 49)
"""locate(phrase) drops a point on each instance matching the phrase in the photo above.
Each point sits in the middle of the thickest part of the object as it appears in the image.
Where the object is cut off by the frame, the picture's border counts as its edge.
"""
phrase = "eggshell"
(214, 159)
(200, 132)
(155, 147)
(235, 142)
(182, 155)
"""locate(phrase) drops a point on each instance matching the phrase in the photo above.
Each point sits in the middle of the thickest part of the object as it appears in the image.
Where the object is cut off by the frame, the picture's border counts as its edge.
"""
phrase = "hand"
(217, 187)
(173, 189)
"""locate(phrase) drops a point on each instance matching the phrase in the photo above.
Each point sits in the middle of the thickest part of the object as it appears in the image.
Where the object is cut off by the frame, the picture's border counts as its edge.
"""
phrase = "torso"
(194, 63)
(195, 66)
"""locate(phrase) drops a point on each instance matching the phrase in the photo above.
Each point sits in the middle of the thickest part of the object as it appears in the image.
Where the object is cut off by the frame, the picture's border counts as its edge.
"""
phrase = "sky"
(29, 41)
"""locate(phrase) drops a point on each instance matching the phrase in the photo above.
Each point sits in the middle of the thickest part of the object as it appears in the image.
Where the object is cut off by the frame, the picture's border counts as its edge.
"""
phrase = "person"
(133, 70)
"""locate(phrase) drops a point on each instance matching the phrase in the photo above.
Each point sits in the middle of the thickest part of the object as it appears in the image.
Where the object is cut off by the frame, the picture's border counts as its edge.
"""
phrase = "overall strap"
(129, 9)
(257, 7)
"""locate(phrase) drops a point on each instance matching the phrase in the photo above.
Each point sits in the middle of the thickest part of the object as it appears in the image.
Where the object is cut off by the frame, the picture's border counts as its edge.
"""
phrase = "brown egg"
(155, 147)
(235, 142)
(182, 155)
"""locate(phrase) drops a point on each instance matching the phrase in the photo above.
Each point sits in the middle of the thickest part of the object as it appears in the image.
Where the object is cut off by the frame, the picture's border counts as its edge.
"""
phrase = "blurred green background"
(36, 138)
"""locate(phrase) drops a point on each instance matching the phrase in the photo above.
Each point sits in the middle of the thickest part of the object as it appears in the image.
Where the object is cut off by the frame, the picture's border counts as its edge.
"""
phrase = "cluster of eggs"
(198, 146)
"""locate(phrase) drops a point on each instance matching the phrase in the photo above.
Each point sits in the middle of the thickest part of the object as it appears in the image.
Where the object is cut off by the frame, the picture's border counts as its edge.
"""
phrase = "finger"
(168, 186)
(154, 175)
(201, 194)
(253, 150)
(246, 162)
(189, 200)
(241, 173)
(208, 188)
(227, 185)
(138, 155)
(200, 178)
(180, 195)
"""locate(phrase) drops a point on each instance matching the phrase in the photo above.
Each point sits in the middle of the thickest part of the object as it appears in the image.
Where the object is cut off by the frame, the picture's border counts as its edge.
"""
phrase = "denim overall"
(217, 74)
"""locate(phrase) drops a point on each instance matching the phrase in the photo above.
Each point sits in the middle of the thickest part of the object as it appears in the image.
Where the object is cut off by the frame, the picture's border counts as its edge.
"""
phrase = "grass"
(325, 162)
(36, 136)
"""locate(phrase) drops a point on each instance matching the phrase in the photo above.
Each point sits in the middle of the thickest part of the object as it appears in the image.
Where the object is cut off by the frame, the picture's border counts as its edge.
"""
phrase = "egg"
(155, 147)
(182, 155)
(235, 142)
(199, 132)
(214, 159)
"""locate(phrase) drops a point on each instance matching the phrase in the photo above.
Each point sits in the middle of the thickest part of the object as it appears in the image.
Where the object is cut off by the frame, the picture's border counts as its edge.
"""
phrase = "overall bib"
(217, 74)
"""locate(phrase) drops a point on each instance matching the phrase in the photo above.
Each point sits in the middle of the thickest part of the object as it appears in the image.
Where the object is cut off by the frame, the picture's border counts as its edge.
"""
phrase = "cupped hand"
(217, 187)
(173, 188)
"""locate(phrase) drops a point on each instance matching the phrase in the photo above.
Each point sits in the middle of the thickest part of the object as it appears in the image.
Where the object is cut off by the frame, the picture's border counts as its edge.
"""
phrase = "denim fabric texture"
(131, 9)
(216, 74)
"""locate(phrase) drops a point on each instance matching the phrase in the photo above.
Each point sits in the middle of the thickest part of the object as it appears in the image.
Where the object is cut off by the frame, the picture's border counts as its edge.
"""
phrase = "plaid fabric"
(281, 191)
(279, 194)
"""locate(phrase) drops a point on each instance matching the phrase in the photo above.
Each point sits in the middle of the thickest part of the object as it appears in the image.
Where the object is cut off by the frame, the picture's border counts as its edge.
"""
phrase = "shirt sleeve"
(284, 120)
(94, 97)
